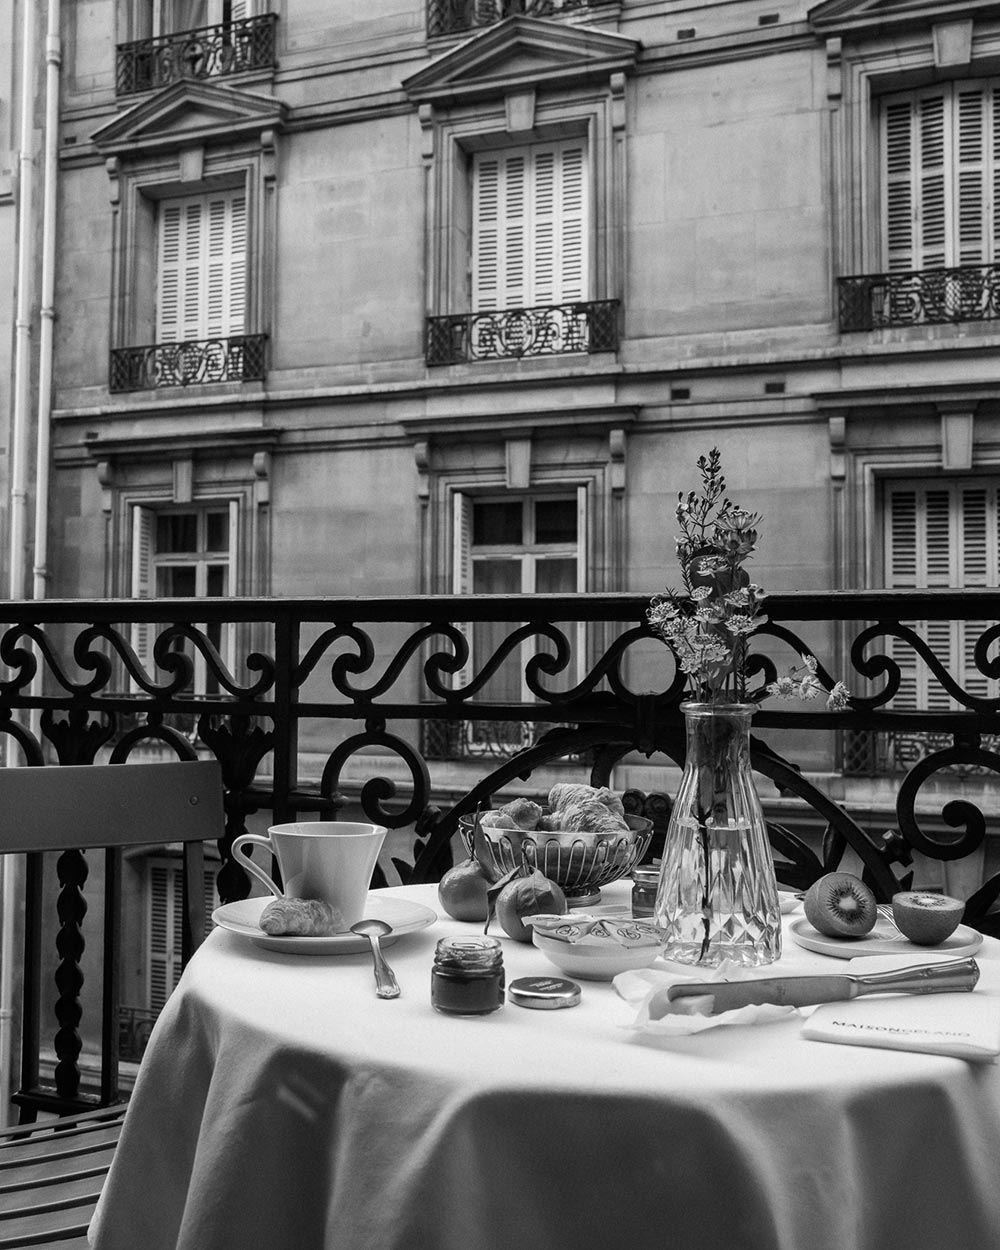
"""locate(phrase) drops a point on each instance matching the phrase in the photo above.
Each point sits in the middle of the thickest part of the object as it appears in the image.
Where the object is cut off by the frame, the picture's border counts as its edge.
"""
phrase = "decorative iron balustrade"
(209, 52)
(919, 297)
(448, 17)
(512, 333)
(324, 703)
(195, 362)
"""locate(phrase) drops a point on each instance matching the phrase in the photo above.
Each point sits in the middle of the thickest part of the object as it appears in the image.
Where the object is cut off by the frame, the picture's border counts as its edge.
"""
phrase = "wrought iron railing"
(448, 17)
(512, 333)
(324, 703)
(209, 52)
(195, 362)
(913, 297)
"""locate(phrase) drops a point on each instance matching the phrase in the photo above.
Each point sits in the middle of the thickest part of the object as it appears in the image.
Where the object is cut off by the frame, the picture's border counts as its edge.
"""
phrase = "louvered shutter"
(972, 173)
(942, 535)
(166, 918)
(461, 568)
(202, 268)
(941, 178)
(530, 226)
(143, 520)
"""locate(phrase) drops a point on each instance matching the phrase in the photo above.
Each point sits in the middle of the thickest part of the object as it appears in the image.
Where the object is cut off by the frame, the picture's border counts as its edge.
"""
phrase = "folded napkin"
(646, 990)
(965, 1025)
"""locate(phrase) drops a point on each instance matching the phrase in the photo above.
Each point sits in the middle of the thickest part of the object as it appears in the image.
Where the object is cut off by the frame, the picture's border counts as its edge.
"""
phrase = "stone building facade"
(450, 295)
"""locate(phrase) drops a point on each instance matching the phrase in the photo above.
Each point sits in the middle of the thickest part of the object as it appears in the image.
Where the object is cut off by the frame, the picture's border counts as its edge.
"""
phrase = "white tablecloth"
(282, 1106)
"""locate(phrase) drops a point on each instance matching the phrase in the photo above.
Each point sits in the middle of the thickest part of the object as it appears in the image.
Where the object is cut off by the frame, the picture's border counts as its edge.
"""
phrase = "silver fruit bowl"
(579, 863)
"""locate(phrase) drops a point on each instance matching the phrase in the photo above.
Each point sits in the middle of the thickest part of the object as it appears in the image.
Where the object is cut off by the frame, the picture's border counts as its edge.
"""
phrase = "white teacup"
(332, 860)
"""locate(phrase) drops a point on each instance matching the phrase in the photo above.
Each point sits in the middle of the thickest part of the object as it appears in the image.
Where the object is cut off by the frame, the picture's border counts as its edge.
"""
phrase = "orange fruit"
(532, 895)
(462, 891)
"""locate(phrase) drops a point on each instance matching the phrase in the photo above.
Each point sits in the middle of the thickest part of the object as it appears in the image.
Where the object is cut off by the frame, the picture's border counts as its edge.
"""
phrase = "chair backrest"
(72, 809)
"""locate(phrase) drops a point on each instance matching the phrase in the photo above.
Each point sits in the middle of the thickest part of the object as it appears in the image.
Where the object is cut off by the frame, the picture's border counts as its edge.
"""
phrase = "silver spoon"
(386, 985)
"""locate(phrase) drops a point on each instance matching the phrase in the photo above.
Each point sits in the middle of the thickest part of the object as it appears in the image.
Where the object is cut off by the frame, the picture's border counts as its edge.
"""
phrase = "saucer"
(882, 940)
(243, 916)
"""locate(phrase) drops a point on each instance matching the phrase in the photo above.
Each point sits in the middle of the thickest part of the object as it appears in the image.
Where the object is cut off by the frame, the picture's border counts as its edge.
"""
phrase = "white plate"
(405, 917)
(882, 940)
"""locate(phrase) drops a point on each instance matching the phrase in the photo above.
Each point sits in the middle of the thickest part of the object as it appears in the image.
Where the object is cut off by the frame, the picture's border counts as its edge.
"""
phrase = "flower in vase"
(709, 623)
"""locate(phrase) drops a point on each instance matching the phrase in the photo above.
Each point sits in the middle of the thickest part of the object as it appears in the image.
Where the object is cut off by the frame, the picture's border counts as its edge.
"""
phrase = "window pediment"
(834, 16)
(188, 113)
(521, 52)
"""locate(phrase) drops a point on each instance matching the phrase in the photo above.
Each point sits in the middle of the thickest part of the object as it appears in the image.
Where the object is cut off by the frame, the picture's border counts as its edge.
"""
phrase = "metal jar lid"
(543, 993)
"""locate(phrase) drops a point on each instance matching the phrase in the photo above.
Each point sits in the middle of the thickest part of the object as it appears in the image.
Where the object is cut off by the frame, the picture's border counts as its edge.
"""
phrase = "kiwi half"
(926, 918)
(840, 905)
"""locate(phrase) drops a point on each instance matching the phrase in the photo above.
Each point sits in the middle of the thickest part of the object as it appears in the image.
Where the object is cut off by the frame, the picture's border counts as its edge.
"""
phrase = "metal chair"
(51, 1172)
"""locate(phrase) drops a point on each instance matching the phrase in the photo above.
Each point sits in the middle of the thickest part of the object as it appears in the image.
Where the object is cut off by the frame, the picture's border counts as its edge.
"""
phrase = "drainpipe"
(53, 60)
(10, 865)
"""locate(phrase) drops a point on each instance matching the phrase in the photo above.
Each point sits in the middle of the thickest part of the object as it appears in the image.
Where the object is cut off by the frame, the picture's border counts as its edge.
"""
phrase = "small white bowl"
(592, 961)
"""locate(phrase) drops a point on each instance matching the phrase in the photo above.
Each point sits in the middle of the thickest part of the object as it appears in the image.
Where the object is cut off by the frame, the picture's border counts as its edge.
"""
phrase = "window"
(525, 191)
(201, 267)
(164, 897)
(192, 238)
(150, 18)
(530, 226)
(510, 545)
(941, 176)
(942, 533)
(181, 554)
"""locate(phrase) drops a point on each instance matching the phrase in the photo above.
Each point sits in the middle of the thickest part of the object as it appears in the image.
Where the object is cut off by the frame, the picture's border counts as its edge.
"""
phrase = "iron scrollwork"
(919, 297)
(515, 333)
(208, 52)
(193, 362)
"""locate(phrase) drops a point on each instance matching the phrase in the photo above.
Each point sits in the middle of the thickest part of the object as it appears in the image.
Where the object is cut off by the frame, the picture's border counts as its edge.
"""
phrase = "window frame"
(946, 638)
(564, 81)
(864, 64)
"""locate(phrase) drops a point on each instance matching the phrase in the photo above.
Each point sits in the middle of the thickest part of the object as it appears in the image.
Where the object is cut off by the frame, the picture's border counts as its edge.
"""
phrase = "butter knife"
(944, 977)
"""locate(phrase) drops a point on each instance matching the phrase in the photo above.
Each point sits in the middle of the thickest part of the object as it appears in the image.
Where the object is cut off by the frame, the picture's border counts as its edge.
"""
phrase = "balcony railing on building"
(209, 52)
(195, 362)
(315, 707)
(917, 297)
(514, 333)
(448, 17)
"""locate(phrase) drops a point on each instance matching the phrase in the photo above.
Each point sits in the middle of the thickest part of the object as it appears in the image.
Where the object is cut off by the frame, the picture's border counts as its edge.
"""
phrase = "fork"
(885, 911)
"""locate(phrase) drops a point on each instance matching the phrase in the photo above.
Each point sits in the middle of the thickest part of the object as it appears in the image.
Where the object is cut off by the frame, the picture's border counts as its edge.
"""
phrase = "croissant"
(587, 816)
(571, 794)
(301, 917)
(523, 812)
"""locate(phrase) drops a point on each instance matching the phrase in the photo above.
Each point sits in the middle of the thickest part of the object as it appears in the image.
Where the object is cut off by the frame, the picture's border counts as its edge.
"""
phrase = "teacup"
(332, 860)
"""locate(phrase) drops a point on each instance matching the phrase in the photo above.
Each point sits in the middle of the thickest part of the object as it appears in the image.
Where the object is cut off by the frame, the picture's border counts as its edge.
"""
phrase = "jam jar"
(467, 978)
(645, 880)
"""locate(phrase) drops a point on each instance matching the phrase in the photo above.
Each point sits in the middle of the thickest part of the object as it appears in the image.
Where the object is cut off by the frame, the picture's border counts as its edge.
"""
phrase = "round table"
(280, 1104)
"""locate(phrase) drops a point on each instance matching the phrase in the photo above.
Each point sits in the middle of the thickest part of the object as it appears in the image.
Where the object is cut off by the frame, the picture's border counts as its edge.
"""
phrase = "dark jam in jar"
(467, 978)
(645, 880)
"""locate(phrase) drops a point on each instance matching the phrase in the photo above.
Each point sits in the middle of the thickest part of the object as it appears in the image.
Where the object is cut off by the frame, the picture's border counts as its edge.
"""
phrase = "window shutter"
(164, 933)
(942, 535)
(898, 184)
(931, 169)
(940, 177)
(202, 268)
(971, 173)
(461, 569)
(978, 551)
(530, 227)
(560, 226)
(143, 520)
(169, 276)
